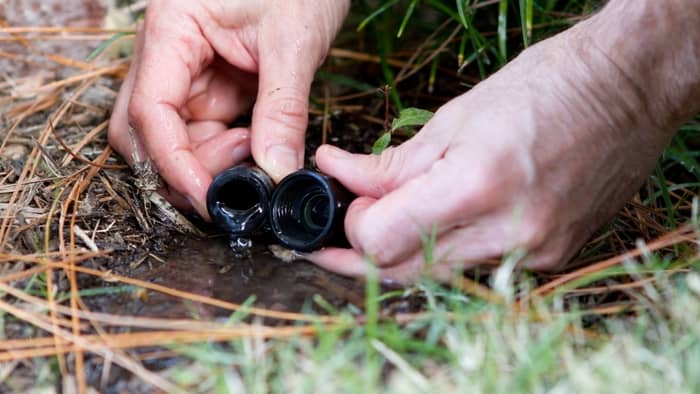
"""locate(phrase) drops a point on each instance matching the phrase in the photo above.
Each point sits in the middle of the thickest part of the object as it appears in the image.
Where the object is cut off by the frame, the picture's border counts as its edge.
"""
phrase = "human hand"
(536, 157)
(197, 66)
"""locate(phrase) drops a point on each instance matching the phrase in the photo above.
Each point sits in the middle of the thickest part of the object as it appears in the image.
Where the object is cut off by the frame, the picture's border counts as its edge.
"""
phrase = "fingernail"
(301, 255)
(200, 208)
(281, 160)
(391, 283)
(240, 153)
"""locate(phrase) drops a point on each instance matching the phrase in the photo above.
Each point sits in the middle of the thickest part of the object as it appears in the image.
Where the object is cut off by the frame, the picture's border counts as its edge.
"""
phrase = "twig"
(85, 238)
(84, 141)
(669, 239)
(80, 158)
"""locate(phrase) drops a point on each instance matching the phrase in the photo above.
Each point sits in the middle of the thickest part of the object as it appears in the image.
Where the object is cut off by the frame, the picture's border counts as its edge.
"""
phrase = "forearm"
(656, 45)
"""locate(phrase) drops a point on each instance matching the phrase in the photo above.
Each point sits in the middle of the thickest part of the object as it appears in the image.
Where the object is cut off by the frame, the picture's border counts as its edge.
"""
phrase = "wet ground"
(208, 267)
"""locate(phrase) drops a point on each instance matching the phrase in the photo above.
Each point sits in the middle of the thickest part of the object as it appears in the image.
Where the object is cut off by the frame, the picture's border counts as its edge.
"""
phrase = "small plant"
(408, 117)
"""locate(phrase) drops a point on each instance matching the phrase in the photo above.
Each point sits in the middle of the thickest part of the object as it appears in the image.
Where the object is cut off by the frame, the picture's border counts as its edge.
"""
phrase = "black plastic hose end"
(307, 211)
(238, 200)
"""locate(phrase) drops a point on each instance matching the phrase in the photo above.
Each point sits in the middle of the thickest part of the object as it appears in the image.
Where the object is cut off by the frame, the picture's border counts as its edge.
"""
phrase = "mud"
(209, 267)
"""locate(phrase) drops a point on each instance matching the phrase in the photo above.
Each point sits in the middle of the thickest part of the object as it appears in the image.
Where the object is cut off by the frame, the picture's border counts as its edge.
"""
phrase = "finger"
(224, 150)
(177, 52)
(347, 262)
(360, 204)
(451, 254)
(220, 93)
(376, 175)
(447, 195)
(555, 254)
(204, 130)
(351, 263)
(118, 133)
(178, 200)
(280, 115)
(463, 248)
(124, 143)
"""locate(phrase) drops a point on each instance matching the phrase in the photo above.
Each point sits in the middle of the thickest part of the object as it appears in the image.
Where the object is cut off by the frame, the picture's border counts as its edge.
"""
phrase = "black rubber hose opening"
(307, 210)
(238, 200)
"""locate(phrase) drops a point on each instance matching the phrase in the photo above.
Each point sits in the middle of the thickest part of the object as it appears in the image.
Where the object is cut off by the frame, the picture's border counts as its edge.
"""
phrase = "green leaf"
(411, 117)
(381, 143)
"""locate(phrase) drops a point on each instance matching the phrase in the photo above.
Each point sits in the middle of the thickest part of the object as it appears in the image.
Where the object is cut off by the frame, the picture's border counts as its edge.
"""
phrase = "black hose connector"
(238, 200)
(307, 210)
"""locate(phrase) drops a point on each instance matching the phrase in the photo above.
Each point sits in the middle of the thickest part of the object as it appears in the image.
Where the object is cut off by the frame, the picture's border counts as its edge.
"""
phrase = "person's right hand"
(197, 66)
(535, 157)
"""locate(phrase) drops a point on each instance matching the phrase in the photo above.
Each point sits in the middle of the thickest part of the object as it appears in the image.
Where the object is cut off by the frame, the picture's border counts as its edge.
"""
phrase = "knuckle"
(287, 109)
(478, 188)
(389, 166)
(540, 222)
(544, 263)
(183, 40)
(535, 231)
(531, 236)
(553, 258)
(192, 52)
(373, 244)
(311, 41)
(378, 252)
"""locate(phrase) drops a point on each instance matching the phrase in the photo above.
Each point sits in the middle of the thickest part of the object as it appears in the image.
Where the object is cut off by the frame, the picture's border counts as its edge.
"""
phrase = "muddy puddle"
(208, 267)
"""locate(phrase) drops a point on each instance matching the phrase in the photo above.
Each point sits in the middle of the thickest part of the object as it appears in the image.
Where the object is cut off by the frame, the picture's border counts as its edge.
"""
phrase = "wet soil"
(208, 267)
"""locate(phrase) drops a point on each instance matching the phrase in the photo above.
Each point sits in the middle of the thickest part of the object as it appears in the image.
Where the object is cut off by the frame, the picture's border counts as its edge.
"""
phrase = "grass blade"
(404, 22)
(503, 30)
(376, 13)
(526, 7)
(105, 44)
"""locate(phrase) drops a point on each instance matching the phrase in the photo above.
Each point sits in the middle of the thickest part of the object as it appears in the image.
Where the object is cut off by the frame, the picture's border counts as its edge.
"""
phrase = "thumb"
(376, 175)
(281, 115)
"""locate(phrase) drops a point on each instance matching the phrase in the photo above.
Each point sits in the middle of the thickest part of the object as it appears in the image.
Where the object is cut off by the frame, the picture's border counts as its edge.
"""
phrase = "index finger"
(173, 54)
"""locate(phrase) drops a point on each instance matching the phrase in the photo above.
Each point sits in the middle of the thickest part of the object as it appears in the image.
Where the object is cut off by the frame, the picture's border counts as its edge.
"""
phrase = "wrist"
(656, 46)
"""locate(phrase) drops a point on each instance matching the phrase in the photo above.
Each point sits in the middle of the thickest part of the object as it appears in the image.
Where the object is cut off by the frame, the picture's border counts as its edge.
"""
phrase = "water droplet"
(241, 247)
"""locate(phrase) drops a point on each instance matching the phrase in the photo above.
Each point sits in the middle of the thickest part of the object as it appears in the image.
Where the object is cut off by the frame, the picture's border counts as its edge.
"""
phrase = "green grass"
(465, 345)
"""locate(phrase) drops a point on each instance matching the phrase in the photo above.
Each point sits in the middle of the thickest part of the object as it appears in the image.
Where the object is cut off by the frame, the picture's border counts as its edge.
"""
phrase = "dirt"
(208, 267)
